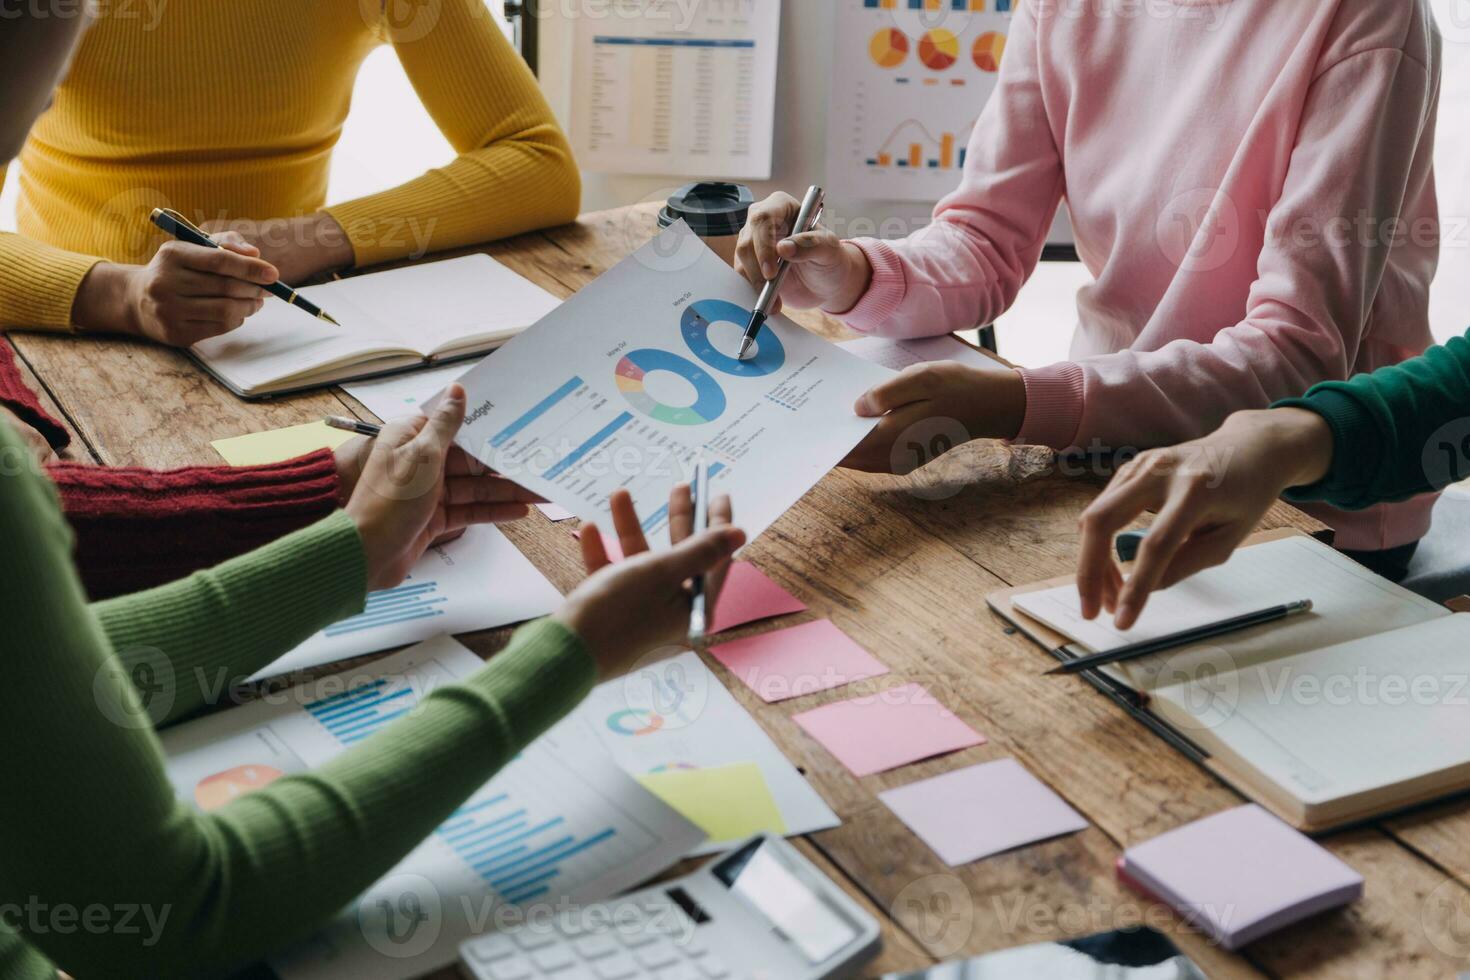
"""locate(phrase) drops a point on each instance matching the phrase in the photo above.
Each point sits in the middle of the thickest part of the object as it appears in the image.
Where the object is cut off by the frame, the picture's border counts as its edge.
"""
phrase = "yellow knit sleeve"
(38, 283)
(514, 172)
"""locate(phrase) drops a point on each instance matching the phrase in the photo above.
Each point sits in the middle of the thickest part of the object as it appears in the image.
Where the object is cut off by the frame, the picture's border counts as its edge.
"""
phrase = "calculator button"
(488, 949)
(642, 937)
(657, 956)
(516, 969)
(529, 939)
(616, 967)
(595, 947)
(680, 971)
(694, 948)
(714, 967)
(553, 958)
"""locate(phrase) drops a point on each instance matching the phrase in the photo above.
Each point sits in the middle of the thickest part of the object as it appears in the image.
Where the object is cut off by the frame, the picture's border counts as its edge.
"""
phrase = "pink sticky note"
(800, 660)
(888, 729)
(982, 810)
(749, 596)
(1240, 874)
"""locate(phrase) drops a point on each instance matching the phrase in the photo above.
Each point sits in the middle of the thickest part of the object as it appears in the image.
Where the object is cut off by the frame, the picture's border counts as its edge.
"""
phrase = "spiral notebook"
(1356, 709)
(390, 321)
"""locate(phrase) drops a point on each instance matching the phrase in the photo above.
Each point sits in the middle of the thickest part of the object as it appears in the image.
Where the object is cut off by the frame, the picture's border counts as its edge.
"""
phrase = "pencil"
(1183, 638)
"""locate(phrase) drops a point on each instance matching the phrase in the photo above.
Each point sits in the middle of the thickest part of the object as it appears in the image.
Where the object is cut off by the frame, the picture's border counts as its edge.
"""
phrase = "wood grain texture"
(903, 566)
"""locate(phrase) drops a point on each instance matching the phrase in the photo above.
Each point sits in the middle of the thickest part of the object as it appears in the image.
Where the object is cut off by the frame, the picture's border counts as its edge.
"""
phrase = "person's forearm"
(202, 635)
(40, 283)
(1397, 432)
(104, 303)
(137, 529)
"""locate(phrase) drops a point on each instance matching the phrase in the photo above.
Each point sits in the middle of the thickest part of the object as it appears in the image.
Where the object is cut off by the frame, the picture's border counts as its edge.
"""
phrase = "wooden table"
(905, 574)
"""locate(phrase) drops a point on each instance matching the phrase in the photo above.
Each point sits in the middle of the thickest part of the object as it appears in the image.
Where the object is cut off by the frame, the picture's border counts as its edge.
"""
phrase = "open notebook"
(1355, 709)
(391, 321)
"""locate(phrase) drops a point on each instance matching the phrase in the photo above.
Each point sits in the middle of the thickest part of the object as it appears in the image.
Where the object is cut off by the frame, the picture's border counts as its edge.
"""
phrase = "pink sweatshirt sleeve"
(1322, 266)
(966, 268)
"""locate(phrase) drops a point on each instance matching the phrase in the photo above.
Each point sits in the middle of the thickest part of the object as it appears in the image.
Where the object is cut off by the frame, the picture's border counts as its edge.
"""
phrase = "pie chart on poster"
(939, 49)
(889, 48)
(633, 373)
(731, 319)
(990, 47)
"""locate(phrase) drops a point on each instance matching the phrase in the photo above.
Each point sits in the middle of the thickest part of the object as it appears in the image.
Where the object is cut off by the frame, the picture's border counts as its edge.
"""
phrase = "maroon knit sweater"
(138, 528)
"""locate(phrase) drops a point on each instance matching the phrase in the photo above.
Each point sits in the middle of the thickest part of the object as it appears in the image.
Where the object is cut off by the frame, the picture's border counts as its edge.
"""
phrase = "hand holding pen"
(822, 269)
(185, 231)
(806, 220)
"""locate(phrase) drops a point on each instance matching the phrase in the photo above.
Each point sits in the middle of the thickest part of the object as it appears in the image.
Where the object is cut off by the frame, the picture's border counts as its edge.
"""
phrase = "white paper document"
(400, 395)
(676, 88)
(899, 354)
(478, 582)
(582, 828)
(908, 86)
(675, 714)
(628, 381)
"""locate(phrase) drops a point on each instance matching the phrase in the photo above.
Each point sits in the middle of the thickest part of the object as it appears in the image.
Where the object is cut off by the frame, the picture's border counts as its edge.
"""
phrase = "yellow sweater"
(230, 109)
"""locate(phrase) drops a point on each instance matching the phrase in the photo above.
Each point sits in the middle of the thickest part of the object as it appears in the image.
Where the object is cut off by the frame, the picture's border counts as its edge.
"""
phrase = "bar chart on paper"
(914, 76)
(554, 821)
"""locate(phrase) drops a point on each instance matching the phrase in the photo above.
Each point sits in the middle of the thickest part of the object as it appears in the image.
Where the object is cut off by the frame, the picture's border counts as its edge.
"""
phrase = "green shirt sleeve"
(1397, 432)
(89, 820)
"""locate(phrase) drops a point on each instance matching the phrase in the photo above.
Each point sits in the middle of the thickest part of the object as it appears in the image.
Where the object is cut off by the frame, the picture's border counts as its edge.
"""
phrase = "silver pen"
(812, 207)
(699, 490)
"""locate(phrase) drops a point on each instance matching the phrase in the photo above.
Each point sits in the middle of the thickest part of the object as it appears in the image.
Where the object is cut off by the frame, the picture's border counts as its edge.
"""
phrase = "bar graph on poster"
(911, 78)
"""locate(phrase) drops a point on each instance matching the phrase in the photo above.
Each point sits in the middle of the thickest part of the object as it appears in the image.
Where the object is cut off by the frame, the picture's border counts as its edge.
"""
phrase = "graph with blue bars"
(353, 715)
(516, 851)
(409, 601)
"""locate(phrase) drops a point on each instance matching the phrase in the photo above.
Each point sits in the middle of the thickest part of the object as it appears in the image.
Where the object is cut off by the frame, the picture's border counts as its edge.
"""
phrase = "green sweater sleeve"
(89, 820)
(1396, 433)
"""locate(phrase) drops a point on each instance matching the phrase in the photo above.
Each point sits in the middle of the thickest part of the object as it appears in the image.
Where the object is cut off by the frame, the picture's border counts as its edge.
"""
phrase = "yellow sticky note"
(260, 448)
(729, 803)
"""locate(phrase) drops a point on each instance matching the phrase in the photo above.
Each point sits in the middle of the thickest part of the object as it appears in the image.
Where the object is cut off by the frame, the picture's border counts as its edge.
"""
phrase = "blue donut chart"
(770, 355)
(709, 403)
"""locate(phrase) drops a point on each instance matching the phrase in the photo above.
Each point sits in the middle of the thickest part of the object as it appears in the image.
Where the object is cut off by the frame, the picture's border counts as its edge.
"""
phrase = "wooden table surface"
(904, 573)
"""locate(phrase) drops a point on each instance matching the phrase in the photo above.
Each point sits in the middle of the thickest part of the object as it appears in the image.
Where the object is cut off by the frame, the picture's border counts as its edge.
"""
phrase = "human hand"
(985, 404)
(1209, 494)
(35, 443)
(301, 249)
(622, 611)
(411, 492)
(825, 271)
(186, 294)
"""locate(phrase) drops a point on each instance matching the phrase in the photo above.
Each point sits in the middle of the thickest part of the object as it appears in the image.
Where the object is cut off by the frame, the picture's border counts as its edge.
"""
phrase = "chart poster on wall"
(910, 78)
(630, 380)
(675, 88)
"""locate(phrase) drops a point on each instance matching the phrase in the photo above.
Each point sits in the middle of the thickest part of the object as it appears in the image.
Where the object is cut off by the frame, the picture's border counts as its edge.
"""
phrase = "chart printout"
(910, 78)
(556, 823)
(674, 87)
(627, 382)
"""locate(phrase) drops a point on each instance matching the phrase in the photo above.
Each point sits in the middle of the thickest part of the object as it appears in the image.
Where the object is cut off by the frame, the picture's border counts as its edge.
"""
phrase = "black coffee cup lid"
(711, 209)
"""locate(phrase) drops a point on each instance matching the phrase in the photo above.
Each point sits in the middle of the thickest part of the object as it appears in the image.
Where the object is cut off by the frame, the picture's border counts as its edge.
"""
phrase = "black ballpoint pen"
(806, 219)
(1183, 638)
(184, 230)
(699, 602)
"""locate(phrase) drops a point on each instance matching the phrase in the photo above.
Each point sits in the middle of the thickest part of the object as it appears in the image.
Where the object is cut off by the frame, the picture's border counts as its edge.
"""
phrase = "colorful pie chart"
(990, 47)
(698, 316)
(213, 792)
(889, 48)
(633, 369)
(939, 49)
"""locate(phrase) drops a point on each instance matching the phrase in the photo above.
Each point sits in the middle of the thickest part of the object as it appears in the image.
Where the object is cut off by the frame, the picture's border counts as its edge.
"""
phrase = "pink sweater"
(1252, 189)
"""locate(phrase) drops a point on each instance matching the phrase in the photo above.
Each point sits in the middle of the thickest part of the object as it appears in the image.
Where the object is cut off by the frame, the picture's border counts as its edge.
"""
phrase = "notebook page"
(281, 341)
(1348, 602)
(1345, 719)
(437, 306)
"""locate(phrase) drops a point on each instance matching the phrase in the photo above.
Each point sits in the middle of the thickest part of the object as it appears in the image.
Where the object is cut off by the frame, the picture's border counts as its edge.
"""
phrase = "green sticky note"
(277, 445)
(729, 803)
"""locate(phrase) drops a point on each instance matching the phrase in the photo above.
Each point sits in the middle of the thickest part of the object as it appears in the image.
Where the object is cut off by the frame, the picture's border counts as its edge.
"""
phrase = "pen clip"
(182, 220)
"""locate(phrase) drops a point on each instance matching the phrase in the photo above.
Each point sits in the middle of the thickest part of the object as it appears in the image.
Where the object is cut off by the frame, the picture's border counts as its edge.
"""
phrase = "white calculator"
(761, 912)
